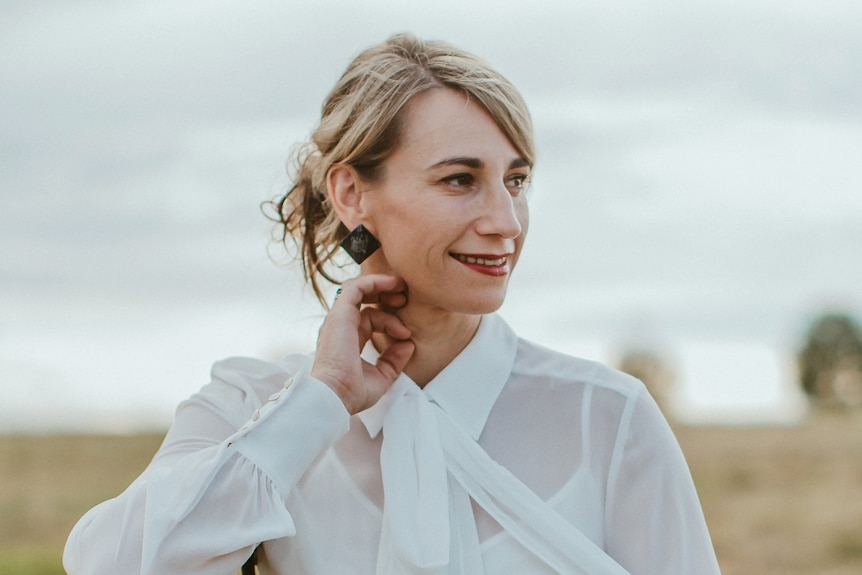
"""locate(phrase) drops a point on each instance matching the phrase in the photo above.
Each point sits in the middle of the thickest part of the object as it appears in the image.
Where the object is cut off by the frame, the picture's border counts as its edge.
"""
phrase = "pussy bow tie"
(431, 469)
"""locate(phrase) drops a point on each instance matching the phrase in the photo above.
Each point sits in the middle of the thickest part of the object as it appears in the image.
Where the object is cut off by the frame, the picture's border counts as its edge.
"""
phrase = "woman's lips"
(488, 264)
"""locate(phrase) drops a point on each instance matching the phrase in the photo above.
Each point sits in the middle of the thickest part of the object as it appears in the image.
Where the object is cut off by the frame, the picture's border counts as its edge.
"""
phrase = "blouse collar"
(467, 388)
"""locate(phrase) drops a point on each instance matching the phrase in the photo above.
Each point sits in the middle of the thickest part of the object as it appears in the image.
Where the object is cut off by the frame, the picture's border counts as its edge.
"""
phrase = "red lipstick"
(488, 264)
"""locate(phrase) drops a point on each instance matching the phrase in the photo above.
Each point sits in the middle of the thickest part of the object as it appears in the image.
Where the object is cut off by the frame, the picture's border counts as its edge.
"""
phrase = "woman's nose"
(500, 214)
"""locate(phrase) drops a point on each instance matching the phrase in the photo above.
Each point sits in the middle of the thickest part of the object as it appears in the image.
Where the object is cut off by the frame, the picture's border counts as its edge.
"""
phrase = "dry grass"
(782, 500)
(47, 483)
(778, 500)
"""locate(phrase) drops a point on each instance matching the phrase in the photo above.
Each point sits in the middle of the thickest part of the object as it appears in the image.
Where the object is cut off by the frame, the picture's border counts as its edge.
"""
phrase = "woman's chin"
(480, 306)
(467, 300)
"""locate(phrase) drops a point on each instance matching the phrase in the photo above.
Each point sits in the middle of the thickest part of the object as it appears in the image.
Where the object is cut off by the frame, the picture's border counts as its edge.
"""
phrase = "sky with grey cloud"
(698, 177)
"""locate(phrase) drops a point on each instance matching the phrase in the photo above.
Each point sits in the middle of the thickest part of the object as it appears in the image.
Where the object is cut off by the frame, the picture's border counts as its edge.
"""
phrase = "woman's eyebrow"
(458, 161)
(476, 163)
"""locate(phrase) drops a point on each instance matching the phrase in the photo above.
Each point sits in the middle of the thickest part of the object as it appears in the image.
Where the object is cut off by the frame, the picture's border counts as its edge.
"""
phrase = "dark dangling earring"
(360, 244)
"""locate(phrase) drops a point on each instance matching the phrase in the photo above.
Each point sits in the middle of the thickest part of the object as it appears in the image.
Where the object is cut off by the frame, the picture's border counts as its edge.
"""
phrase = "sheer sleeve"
(218, 484)
(655, 524)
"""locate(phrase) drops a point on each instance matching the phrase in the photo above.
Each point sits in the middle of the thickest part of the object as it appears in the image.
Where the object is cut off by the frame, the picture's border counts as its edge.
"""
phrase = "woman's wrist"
(337, 388)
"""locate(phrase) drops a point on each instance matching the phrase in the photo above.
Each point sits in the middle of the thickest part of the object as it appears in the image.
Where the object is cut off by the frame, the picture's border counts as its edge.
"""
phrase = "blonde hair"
(360, 126)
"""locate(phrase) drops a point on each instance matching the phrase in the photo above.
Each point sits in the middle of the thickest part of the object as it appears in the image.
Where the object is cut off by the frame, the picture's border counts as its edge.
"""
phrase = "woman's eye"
(517, 182)
(459, 180)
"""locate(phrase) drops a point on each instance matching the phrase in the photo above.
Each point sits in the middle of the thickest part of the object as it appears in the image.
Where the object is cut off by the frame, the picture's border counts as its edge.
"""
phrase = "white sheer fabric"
(515, 459)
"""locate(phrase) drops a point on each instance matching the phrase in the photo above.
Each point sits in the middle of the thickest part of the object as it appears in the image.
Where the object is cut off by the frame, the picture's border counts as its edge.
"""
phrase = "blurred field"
(778, 500)
(782, 500)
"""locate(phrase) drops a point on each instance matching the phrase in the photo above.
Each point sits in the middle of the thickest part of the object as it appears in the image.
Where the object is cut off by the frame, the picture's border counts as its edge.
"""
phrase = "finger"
(367, 289)
(392, 361)
(392, 300)
(378, 321)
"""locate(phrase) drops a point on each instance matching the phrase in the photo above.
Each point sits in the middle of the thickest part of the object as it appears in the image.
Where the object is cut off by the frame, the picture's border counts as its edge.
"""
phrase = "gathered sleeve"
(655, 525)
(218, 484)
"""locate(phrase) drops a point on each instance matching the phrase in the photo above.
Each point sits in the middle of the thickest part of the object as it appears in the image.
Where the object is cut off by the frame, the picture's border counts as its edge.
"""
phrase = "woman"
(423, 436)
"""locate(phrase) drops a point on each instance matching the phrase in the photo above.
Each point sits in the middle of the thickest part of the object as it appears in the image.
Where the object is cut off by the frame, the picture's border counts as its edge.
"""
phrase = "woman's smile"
(485, 263)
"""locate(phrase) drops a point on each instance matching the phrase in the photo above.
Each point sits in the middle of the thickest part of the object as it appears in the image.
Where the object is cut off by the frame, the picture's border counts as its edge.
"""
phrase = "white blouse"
(514, 460)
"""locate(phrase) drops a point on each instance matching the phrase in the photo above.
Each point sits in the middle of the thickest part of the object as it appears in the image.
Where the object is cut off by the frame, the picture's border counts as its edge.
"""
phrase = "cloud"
(697, 160)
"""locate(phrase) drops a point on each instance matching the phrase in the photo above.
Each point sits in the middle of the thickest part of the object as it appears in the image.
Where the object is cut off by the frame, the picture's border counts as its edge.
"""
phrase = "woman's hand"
(346, 330)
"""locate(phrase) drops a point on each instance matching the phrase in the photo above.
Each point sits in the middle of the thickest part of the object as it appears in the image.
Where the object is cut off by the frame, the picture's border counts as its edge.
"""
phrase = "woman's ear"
(342, 185)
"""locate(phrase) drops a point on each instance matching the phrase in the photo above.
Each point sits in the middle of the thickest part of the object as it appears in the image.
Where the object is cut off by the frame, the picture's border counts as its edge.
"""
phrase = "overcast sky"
(699, 174)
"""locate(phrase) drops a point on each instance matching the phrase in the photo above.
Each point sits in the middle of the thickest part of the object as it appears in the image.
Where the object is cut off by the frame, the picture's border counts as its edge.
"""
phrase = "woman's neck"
(439, 337)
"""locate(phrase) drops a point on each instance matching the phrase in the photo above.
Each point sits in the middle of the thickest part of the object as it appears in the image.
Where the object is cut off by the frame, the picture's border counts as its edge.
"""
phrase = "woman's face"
(451, 210)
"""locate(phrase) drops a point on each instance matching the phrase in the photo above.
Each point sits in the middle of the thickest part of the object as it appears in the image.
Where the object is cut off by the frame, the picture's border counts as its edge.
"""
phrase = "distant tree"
(649, 367)
(830, 364)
